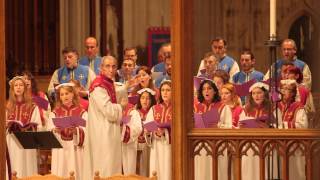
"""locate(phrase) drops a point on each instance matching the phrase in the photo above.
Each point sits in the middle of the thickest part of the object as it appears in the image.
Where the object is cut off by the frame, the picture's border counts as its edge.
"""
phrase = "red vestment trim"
(105, 83)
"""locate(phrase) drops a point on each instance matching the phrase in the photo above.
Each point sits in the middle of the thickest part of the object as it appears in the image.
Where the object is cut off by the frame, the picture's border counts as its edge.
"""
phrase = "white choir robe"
(70, 157)
(297, 161)
(224, 123)
(160, 153)
(144, 157)
(129, 149)
(102, 146)
(23, 161)
(203, 163)
(250, 164)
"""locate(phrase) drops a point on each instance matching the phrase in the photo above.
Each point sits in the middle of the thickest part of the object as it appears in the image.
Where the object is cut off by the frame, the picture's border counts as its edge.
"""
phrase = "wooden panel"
(33, 36)
(263, 142)
(182, 63)
(2, 93)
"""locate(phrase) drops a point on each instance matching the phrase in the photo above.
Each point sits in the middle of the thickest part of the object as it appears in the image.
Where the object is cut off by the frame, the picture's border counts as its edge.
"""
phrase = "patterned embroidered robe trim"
(289, 112)
(105, 83)
(64, 111)
(21, 113)
(163, 114)
(236, 111)
(257, 112)
(203, 107)
(143, 114)
(126, 132)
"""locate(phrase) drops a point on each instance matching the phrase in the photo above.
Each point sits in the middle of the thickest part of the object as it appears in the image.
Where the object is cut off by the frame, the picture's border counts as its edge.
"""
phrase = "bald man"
(91, 59)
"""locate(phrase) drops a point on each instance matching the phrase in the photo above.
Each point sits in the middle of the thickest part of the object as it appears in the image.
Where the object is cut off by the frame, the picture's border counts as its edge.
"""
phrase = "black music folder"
(37, 140)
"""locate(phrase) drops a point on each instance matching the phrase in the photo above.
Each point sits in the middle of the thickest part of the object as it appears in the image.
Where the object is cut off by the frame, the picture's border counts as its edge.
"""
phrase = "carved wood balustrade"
(263, 143)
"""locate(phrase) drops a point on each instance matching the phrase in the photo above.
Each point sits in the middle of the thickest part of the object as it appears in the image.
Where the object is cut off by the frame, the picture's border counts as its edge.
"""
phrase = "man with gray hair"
(102, 150)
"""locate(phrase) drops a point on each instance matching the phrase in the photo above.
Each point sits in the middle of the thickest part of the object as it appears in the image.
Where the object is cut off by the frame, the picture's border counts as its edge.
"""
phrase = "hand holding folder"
(153, 126)
(41, 102)
(125, 119)
(207, 119)
(197, 81)
(254, 123)
(133, 99)
(68, 122)
(243, 89)
(17, 126)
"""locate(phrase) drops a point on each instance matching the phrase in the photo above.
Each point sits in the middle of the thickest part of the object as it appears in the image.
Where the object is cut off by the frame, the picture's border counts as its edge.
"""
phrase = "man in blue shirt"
(167, 74)
(91, 59)
(160, 67)
(71, 70)
(226, 63)
(288, 50)
(247, 73)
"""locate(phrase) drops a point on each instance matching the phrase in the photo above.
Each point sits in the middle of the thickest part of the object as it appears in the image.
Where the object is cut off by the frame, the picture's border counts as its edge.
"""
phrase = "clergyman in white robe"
(102, 147)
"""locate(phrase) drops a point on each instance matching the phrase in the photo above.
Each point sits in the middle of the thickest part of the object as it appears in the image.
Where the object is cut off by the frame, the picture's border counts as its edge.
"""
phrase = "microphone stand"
(273, 43)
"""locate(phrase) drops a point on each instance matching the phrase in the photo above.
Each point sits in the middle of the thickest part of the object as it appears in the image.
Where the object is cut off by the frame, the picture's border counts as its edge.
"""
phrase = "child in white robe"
(68, 158)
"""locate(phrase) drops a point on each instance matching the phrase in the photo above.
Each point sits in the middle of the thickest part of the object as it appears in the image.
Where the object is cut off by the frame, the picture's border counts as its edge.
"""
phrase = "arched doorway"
(301, 32)
(305, 33)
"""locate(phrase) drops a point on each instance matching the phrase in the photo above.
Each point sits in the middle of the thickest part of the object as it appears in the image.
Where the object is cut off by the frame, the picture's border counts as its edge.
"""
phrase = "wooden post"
(262, 165)
(181, 24)
(2, 92)
(214, 161)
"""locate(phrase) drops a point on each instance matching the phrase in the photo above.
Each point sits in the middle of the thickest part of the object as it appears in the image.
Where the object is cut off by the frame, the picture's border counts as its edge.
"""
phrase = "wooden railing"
(263, 143)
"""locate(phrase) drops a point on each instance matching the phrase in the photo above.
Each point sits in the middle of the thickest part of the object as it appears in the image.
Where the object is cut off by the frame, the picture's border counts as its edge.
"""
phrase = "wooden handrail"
(263, 133)
(234, 143)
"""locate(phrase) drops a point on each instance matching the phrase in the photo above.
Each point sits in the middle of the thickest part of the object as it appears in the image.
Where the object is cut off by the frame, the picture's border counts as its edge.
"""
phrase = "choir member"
(160, 153)
(70, 157)
(21, 115)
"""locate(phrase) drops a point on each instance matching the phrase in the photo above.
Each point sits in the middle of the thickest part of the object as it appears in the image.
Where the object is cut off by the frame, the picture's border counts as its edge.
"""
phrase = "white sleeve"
(200, 67)
(309, 107)
(50, 125)
(301, 120)
(100, 100)
(244, 117)
(54, 80)
(266, 76)
(225, 118)
(91, 77)
(280, 123)
(36, 118)
(234, 69)
(134, 125)
(307, 80)
(149, 117)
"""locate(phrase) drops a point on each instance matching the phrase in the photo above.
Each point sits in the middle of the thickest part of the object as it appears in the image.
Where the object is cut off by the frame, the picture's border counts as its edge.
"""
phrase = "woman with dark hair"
(38, 97)
(257, 106)
(257, 102)
(160, 153)
(208, 99)
(137, 149)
